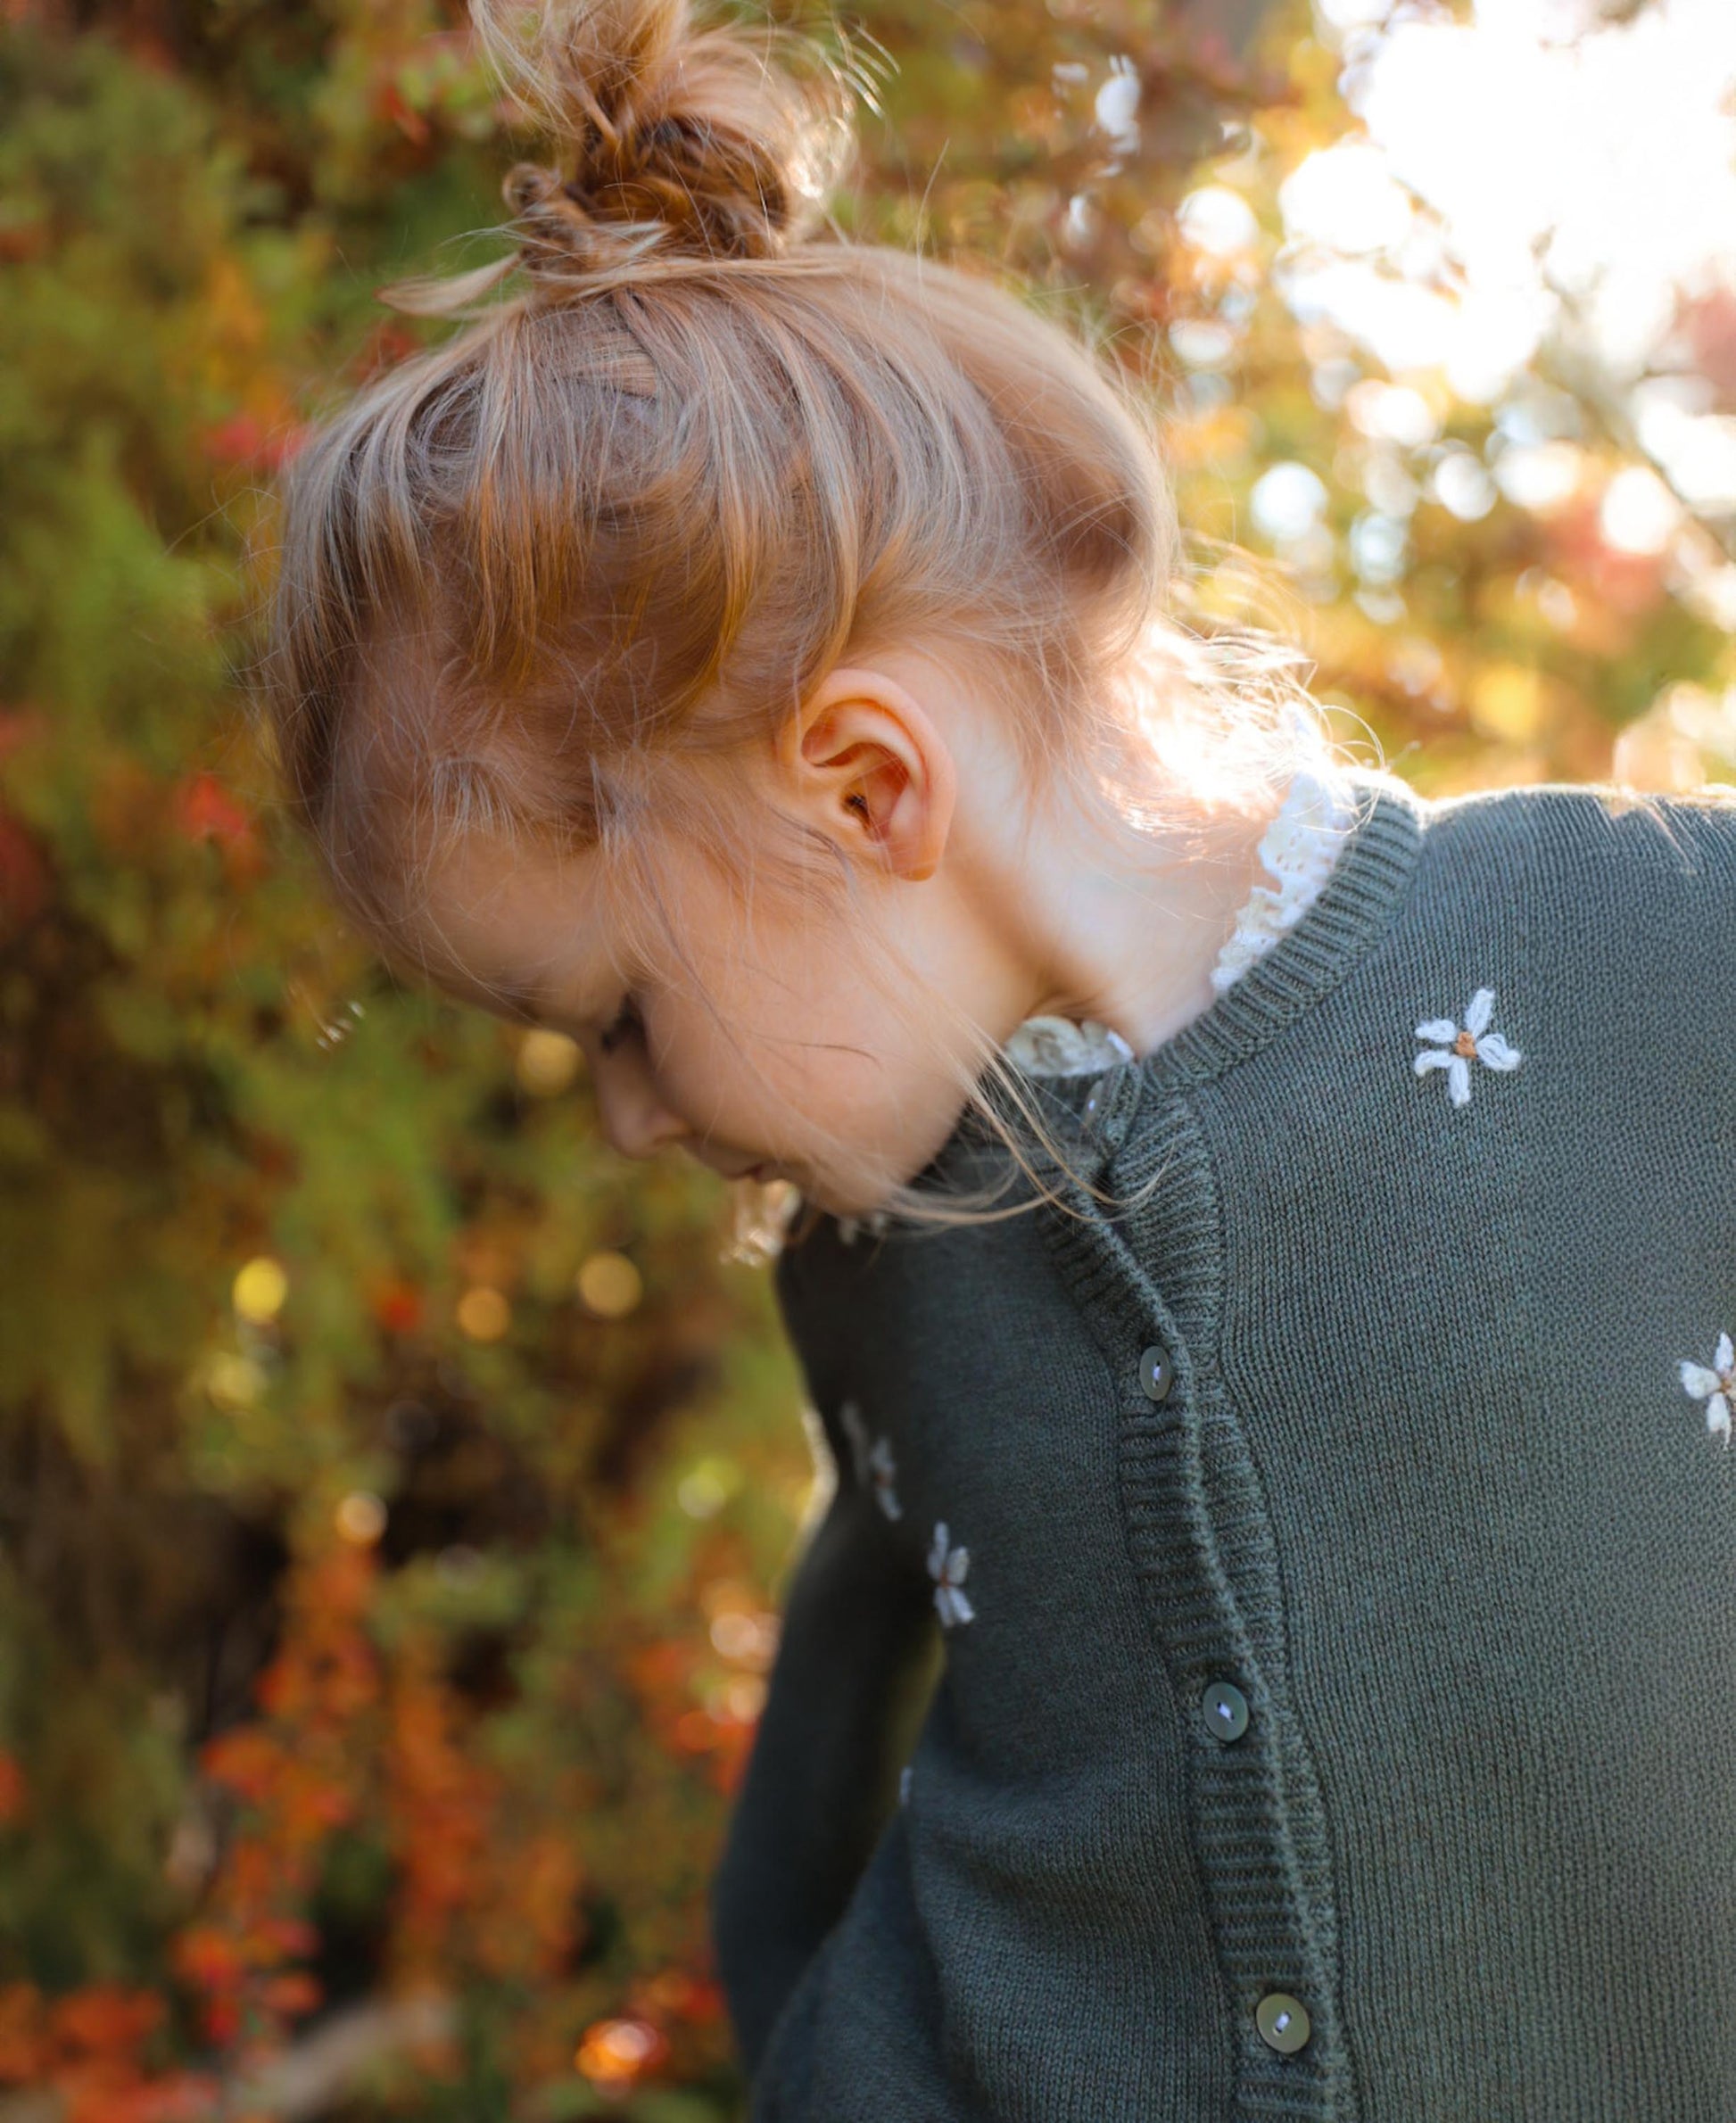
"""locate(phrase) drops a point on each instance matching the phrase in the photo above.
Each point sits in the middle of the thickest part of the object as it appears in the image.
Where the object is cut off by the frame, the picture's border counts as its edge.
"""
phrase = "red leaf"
(23, 2036)
(209, 1960)
(398, 1307)
(388, 344)
(105, 2020)
(14, 1793)
(392, 106)
(245, 441)
(24, 875)
(204, 810)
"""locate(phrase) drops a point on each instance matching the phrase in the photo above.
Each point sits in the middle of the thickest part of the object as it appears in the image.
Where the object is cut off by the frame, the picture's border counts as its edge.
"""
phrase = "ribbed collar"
(1351, 912)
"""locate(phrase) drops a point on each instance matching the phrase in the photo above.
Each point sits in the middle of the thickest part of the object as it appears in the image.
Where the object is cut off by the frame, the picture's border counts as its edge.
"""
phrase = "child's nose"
(635, 1119)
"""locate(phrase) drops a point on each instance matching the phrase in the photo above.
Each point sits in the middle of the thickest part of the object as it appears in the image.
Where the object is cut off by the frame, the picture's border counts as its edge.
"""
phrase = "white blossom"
(880, 1463)
(874, 1463)
(1715, 1387)
(1456, 1049)
(947, 1567)
(850, 1417)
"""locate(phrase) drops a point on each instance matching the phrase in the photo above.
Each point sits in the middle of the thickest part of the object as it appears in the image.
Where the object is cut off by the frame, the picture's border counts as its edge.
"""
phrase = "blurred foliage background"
(396, 1492)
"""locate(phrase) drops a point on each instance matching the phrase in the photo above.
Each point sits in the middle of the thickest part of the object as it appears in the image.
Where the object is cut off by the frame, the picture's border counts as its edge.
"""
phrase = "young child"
(1267, 1267)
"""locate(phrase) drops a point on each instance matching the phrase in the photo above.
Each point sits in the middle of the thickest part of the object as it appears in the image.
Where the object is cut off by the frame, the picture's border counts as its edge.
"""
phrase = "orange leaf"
(209, 1958)
(246, 1759)
(204, 810)
(291, 1994)
(23, 2037)
(105, 2020)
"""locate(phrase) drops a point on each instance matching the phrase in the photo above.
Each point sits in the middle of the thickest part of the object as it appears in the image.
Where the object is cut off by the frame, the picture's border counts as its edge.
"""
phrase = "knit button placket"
(1283, 2022)
(1192, 1500)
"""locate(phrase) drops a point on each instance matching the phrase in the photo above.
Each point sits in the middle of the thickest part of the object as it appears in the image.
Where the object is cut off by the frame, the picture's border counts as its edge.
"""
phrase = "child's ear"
(868, 764)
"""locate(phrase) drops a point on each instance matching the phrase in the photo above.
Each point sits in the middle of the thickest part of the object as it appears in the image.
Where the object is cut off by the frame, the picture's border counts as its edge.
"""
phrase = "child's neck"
(1113, 930)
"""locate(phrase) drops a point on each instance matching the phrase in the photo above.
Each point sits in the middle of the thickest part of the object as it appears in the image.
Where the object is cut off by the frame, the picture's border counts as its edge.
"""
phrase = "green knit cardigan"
(1307, 1600)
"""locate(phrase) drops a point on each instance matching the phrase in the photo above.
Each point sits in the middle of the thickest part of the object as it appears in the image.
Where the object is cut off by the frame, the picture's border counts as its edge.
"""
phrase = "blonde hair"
(546, 578)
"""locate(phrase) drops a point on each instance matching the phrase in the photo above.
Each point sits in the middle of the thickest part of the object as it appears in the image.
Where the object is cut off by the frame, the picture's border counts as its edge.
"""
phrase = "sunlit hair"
(689, 451)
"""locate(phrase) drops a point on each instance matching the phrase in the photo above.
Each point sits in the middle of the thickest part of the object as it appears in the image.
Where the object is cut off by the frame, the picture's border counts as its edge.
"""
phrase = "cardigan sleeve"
(854, 1659)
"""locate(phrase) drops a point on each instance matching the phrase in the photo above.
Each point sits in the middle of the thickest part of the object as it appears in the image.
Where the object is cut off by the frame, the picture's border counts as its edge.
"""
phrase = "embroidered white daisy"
(874, 1224)
(1458, 1049)
(947, 1567)
(879, 1464)
(850, 1417)
(1715, 1387)
(874, 1463)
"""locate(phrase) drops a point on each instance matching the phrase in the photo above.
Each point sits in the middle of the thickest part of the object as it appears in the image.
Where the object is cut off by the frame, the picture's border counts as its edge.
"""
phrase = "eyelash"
(627, 1020)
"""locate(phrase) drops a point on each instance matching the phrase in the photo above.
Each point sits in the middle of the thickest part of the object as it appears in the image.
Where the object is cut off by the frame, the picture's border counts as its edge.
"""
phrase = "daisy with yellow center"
(1457, 1048)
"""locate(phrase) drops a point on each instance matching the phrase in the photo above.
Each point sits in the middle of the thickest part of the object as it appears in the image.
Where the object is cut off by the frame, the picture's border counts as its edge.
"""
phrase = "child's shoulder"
(1568, 848)
(1604, 821)
(1585, 904)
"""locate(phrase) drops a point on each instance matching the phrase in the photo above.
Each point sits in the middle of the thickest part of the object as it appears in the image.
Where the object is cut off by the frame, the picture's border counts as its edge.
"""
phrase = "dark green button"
(1282, 2021)
(1226, 1709)
(1157, 1373)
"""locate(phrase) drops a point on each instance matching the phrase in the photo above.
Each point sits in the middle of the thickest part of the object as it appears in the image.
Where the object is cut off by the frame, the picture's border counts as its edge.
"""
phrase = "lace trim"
(1055, 1047)
(1299, 848)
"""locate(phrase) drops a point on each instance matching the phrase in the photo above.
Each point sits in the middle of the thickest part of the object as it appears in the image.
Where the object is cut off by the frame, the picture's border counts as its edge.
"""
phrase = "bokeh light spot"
(232, 1381)
(708, 1485)
(748, 1637)
(1347, 198)
(743, 1698)
(609, 1285)
(1202, 342)
(483, 1314)
(260, 1289)
(1216, 220)
(1461, 485)
(1379, 547)
(1288, 500)
(548, 1062)
(1639, 514)
(1539, 475)
(360, 1517)
(1507, 701)
(1392, 412)
(614, 2053)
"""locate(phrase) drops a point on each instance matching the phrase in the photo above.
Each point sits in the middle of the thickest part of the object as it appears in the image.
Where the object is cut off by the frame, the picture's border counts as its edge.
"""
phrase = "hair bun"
(669, 138)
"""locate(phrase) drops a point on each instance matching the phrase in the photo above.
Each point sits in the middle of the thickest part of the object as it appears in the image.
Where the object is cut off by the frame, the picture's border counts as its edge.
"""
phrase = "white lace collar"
(1299, 848)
